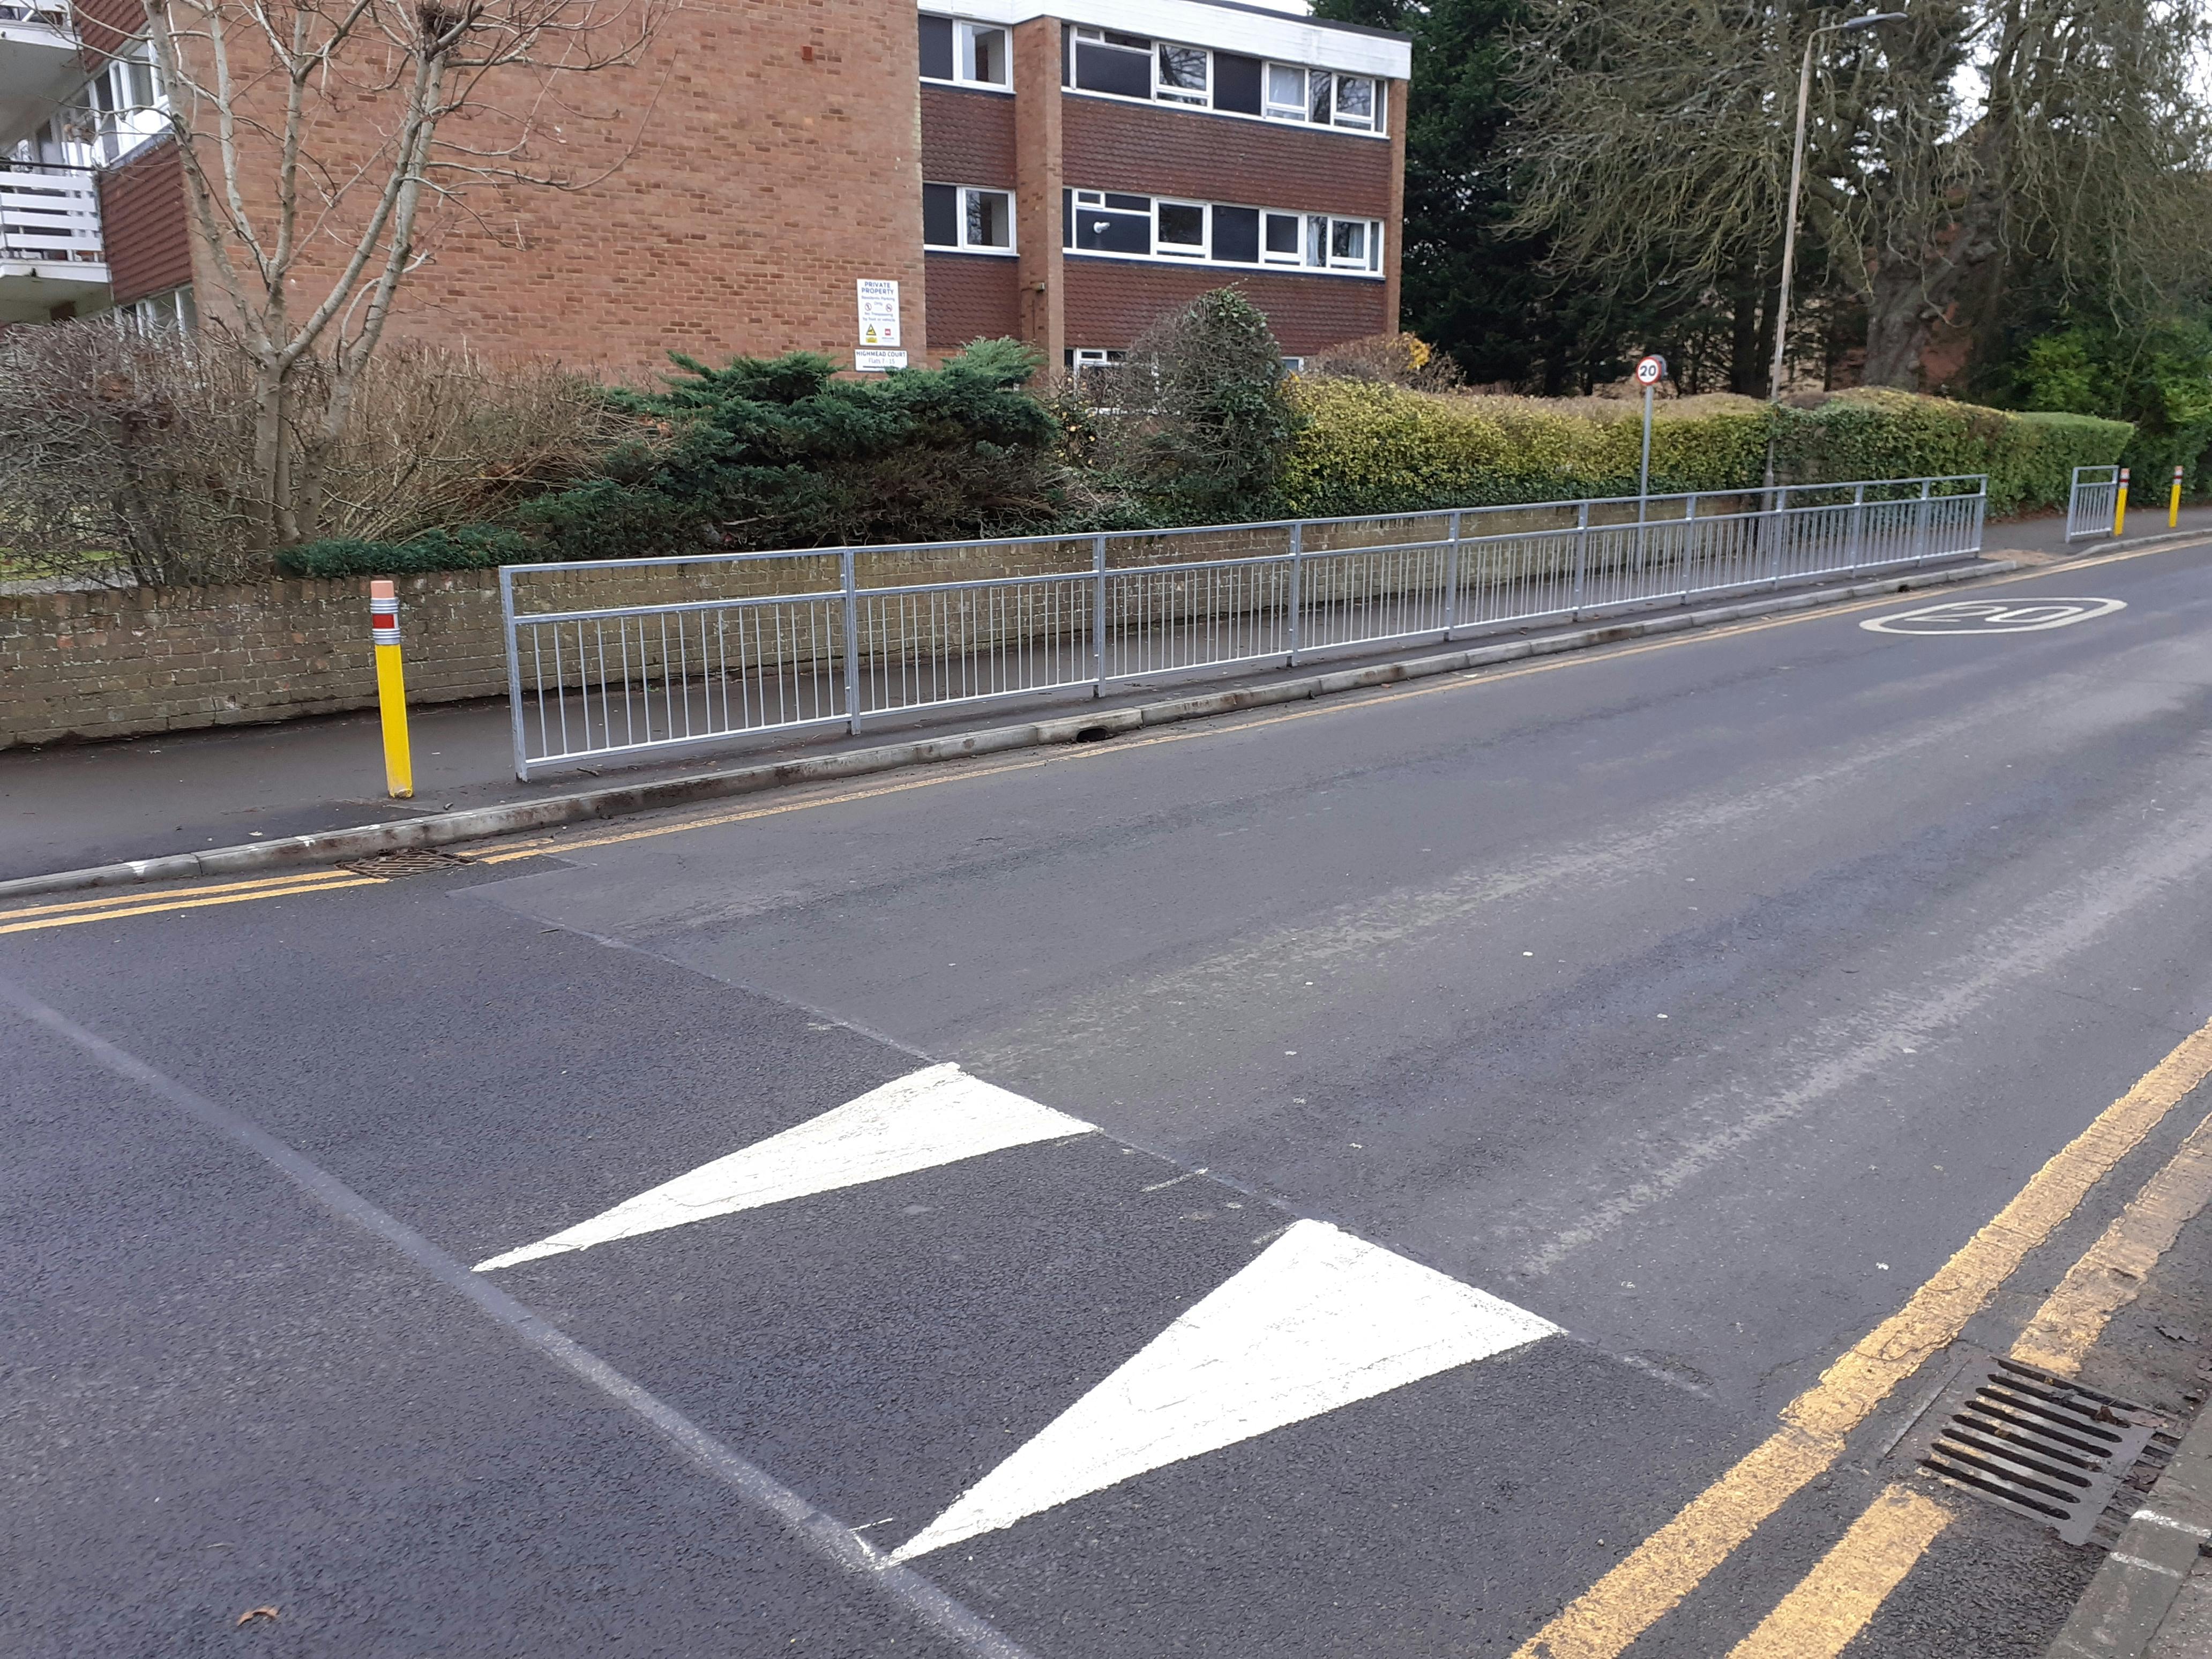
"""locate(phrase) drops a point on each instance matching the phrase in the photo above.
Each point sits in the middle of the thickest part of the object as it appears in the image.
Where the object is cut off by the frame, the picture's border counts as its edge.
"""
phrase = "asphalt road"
(1691, 1001)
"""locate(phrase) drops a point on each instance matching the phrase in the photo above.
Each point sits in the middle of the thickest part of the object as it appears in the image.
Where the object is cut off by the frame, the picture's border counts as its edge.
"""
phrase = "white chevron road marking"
(937, 1116)
(1318, 1320)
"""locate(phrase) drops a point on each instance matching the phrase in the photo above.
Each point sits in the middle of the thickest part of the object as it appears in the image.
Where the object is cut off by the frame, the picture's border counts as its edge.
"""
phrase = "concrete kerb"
(482, 823)
(2119, 1615)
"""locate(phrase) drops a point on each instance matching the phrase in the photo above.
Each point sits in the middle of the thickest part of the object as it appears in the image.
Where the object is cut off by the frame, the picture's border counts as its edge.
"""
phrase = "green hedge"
(1877, 433)
(1376, 448)
(1372, 448)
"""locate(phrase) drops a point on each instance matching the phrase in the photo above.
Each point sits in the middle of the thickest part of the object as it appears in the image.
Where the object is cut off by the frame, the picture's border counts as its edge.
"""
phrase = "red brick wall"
(973, 296)
(1110, 301)
(144, 225)
(778, 161)
(1113, 145)
(104, 25)
(967, 137)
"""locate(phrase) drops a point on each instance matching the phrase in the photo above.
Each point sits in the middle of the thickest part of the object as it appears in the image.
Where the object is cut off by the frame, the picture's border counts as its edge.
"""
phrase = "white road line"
(938, 1114)
(1320, 1319)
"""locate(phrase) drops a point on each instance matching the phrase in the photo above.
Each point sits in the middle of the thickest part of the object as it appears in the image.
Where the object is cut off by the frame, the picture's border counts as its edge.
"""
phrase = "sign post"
(1649, 372)
(2174, 503)
(879, 326)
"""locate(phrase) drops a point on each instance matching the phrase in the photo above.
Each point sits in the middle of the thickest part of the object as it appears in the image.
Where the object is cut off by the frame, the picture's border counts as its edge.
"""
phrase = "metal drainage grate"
(408, 861)
(2040, 1446)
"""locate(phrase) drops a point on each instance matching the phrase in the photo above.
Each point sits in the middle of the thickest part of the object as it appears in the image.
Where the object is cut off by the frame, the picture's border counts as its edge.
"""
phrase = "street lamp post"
(1796, 180)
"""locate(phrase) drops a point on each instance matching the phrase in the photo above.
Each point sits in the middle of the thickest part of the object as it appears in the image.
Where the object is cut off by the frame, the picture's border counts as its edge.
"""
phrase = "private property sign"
(879, 312)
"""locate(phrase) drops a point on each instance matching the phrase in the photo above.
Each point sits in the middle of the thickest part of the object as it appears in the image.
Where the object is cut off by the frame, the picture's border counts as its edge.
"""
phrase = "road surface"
(1315, 1183)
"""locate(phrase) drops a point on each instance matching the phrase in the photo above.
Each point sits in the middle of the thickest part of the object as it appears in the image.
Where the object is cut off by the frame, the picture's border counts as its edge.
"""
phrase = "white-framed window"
(122, 106)
(1081, 358)
(1114, 64)
(968, 218)
(1217, 232)
(1179, 229)
(966, 53)
(1324, 98)
(170, 312)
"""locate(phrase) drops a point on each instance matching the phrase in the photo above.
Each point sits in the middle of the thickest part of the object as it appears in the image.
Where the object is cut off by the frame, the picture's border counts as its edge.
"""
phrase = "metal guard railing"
(816, 646)
(2092, 500)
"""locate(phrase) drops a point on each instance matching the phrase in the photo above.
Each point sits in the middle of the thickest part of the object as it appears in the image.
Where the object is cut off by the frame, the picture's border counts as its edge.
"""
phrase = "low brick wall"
(121, 662)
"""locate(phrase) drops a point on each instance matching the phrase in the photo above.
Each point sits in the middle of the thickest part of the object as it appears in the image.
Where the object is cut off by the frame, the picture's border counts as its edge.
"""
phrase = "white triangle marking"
(1320, 1319)
(937, 1116)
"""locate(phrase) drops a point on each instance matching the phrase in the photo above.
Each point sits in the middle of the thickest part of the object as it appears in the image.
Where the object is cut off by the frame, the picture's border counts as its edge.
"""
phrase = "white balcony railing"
(49, 215)
(52, 13)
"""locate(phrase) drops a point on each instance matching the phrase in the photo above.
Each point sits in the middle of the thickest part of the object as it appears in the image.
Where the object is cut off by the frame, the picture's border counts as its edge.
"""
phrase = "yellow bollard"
(2120, 506)
(2173, 503)
(391, 690)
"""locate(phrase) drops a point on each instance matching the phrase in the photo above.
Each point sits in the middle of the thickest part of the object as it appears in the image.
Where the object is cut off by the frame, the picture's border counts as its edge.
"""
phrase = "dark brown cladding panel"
(102, 25)
(1111, 302)
(967, 137)
(972, 296)
(143, 224)
(1113, 145)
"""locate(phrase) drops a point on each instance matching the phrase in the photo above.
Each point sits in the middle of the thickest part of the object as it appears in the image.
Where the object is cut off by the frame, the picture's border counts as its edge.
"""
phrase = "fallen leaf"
(252, 1613)
(2176, 1334)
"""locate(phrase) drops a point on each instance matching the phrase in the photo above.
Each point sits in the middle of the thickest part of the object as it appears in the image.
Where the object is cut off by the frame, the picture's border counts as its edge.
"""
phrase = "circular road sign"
(1651, 370)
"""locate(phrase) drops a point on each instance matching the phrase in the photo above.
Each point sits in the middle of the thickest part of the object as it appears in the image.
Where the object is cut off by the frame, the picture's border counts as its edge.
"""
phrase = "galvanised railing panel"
(625, 659)
(2093, 501)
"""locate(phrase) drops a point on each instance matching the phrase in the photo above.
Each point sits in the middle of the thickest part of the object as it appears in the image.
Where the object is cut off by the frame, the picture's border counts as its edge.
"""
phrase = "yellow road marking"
(1831, 1604)
(2111, 1274)
(184, 904)
(1666, 1567)
(141, 896)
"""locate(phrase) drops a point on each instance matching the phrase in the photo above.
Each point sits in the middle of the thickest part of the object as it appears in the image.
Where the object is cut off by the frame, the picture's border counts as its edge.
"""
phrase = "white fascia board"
(1278, 35)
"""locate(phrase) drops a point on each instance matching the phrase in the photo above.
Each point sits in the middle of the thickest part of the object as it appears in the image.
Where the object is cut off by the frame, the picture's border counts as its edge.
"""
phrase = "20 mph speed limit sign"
(1651, 371)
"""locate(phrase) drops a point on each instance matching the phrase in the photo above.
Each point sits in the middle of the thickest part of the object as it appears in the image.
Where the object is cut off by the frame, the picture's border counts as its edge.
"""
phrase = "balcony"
(39, 63)
(49, 248)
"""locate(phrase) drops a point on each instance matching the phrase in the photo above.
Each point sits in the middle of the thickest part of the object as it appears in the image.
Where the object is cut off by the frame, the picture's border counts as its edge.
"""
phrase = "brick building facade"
(1057, 176)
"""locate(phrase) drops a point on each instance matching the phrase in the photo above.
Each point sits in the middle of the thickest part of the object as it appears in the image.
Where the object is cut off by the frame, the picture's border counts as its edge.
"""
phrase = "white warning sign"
(879, 311)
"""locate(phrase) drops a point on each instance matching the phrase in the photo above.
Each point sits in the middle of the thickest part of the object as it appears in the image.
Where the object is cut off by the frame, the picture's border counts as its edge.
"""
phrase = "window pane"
(1286, 87)
(1182, 69)
(1111, 68)
(983, 55)
(1127, 203)
(1237, 83)
(990, 219)
(1355, 102)
(937, 48)
(1237, 235)
(1283, 233)
(1183, 229)
(1099, 232)
(1319, 105)
(1316, 240)
(940, 216)
(1347, 240)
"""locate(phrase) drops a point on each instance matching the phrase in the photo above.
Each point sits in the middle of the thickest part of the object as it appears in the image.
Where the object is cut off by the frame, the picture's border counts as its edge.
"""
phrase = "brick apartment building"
(1063, 176)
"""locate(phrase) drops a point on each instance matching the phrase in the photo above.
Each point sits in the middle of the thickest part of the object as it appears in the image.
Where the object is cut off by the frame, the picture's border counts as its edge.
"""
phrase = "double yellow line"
(1822, 1615)
(139, 902)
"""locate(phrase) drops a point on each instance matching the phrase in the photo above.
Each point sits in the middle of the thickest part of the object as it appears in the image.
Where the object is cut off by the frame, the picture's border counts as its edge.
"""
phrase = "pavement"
(1492, 1166)
(73, 806)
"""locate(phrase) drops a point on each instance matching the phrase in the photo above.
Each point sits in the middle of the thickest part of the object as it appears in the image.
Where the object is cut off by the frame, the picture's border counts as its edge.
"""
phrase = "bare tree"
(1945, 151)
(319, 139)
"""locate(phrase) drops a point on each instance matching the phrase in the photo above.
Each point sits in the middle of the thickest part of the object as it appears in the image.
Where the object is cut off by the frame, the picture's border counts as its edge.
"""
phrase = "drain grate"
(2040, 1446)
(408, 861)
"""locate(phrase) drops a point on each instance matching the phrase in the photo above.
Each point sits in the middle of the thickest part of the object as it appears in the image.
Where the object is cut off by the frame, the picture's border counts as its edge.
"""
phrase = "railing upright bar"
(1451, 580)
(1920, 522)
(851, 642)
(1296, 594)
(1582, 552)
(514, 673)
(1098, 615)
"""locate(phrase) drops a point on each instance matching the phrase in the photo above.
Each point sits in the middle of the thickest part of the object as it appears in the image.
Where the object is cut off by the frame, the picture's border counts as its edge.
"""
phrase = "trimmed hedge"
(1370, 447)
(1379, 448)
